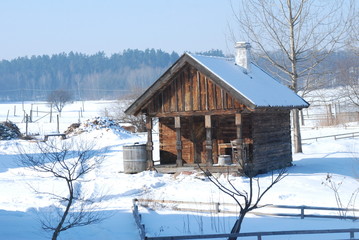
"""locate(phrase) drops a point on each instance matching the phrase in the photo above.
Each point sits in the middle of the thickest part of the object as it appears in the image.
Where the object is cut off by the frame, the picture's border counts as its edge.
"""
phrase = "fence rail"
(215, 207)
(259, 235)
(336, 136)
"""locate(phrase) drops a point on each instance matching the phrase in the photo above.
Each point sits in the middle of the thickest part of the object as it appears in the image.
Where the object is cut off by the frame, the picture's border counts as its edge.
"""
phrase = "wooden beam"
(237, 143)
(179, 161)
(209, 144)
(197, 113)
(177, 122)
(207, 121)
(149, 146)
(238, 123)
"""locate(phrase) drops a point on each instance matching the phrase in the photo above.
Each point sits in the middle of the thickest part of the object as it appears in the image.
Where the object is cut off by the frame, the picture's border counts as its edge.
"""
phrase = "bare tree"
(343, 209)
(302, 33)
(59, 98)
(247, 197)
(353, 41)
(348, 75)
(117, 112)
(69, 162)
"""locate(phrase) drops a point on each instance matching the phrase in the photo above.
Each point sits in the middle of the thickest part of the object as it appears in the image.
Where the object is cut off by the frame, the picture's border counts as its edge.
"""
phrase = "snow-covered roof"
(255, 89)
(256, 86)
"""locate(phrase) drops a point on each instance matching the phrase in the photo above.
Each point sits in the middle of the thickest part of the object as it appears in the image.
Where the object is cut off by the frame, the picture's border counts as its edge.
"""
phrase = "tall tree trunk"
(237, 226)
(294, 76)
(297, 139)
(67, 210)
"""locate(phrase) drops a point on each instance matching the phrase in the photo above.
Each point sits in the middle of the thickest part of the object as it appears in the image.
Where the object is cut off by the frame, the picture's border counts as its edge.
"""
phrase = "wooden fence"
(260, 235)
(336, 136)
(216, 208)
(137, 216)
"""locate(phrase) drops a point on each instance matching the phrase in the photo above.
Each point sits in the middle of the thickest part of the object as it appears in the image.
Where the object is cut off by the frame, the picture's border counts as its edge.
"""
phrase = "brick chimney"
(243, 55)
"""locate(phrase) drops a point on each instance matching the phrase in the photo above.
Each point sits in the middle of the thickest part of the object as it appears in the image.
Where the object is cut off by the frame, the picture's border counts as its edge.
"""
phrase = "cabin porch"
(187, 141)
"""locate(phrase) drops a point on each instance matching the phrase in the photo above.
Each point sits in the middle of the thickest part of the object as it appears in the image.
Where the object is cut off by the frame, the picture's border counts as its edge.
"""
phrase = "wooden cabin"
(208, 107)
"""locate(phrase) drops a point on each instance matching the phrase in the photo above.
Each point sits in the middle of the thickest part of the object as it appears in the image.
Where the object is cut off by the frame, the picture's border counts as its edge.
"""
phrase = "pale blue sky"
(53, 26)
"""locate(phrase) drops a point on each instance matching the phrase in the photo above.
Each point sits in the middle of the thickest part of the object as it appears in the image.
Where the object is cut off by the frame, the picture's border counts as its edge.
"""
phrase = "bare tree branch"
(246, 201)
(305, 32)
(69, 161)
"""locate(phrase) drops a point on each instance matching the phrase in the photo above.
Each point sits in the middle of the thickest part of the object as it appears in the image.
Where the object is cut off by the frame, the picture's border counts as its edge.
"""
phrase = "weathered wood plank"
(198, 91)
(210, 91)
(206, 93)
(175, 83)
(183, 91)
(190, 76)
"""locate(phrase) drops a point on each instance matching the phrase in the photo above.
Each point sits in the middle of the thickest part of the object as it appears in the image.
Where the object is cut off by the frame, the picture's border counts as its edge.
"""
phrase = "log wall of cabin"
(271, 140)
(193, 137)
(224, 130)
(191, 91)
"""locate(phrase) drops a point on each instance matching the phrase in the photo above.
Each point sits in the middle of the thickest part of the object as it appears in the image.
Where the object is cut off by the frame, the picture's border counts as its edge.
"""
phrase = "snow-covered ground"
(20, 207)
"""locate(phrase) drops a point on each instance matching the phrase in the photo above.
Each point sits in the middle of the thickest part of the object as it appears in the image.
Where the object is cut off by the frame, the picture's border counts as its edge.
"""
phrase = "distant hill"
(99, 76)
(86, 76)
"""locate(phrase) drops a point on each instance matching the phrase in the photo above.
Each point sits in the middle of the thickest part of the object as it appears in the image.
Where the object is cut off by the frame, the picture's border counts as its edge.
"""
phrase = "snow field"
(20, 207)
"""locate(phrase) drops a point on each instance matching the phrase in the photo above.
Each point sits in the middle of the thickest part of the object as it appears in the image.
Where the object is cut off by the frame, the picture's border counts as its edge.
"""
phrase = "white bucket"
(224, 160)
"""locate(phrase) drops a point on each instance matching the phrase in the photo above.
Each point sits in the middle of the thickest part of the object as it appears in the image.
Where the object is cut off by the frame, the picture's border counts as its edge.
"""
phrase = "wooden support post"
(209, 150)
(58, 123)
(238, 123)
(238, 142)
(149, 147)
(179, 161)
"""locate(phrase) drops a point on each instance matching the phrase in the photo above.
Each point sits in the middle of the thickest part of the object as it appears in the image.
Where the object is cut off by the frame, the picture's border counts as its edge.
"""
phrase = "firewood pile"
(9, 130)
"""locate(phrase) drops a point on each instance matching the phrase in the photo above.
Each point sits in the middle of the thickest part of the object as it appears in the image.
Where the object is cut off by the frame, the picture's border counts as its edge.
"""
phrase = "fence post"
(351, 235)
(217, 207)
(51, 113)
(7, 116)
(302, 212)
(58, 124)
(27, 121)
